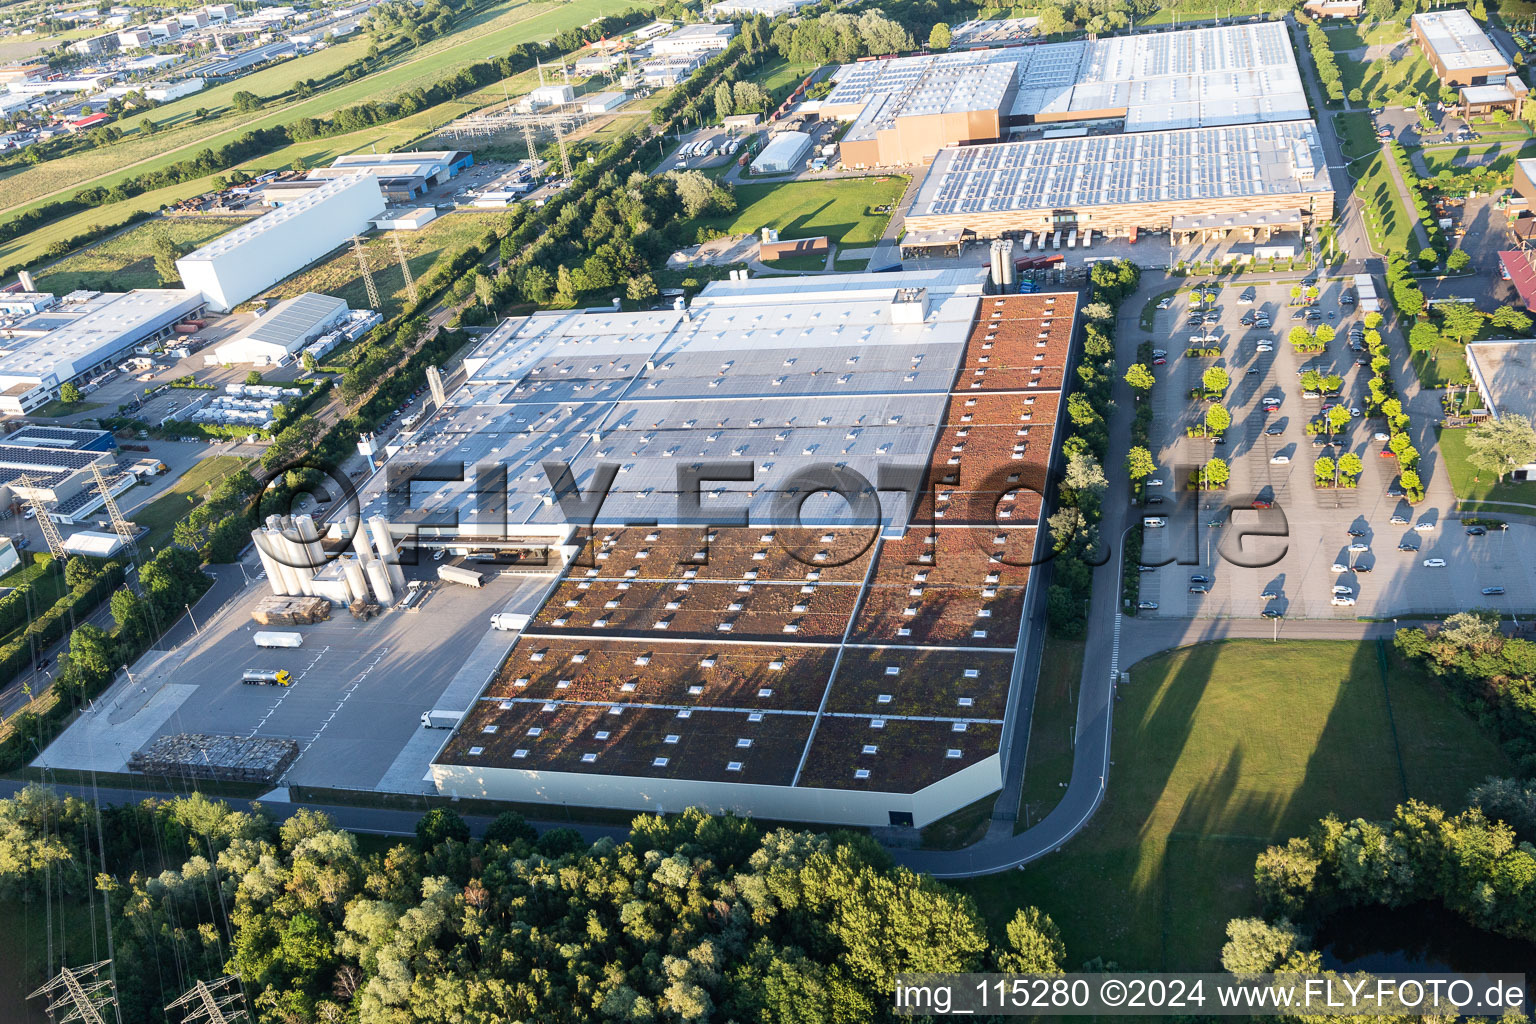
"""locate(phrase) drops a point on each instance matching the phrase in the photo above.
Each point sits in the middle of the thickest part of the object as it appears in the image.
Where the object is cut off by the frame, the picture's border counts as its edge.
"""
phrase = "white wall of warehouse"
(231, 277)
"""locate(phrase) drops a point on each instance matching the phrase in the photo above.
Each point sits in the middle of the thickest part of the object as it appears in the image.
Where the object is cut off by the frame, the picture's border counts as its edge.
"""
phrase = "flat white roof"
(790, 373)
(232, 240)
(1231, 74)
(1458, 40)
(112, 325)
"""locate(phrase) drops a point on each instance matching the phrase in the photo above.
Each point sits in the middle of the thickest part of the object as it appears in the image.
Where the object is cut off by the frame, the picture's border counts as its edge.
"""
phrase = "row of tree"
(694, 918)
(1074, 526)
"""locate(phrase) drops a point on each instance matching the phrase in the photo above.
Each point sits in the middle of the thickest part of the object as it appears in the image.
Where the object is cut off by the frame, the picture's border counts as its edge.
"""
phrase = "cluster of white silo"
(296, 565)
(1002, 264)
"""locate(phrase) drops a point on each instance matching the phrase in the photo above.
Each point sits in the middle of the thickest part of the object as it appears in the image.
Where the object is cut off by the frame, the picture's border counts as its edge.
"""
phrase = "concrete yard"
(1313, 525)
(358, 693)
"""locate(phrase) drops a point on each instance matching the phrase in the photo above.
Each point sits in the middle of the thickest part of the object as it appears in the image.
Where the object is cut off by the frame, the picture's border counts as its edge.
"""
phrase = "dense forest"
(694, 918)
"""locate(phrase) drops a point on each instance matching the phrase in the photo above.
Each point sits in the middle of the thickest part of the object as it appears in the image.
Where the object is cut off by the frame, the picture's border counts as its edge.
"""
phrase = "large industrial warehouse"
(1260, 178)
(904, 111)
(84, 334)
(239, 264)
(776, 649)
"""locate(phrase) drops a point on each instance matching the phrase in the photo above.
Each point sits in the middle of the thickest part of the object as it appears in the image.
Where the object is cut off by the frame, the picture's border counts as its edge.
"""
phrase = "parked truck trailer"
(270, 638)
(459, 574)
(438, 719)
(266, 677)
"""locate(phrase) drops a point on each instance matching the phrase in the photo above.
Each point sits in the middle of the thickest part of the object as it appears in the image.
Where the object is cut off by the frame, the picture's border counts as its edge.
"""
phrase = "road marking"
(346, 695)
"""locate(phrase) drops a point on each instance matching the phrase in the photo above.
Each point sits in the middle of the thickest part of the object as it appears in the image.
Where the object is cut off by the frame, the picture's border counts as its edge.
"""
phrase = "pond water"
(1424, 937)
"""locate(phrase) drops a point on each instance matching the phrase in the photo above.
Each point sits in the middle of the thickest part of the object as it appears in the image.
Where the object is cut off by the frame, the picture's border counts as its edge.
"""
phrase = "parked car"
(1492, 591)
(1269, 595)
(1159, 361)
(1159, 352)
(1400, 520)
(1279, 460)
(1339, 588)
(1424, 527)
(1197, 578)
(1339, 567)
(1477, 531)
(1273, 431)
(1199, 588)
(1156, 499)
(1357, 567)
(1264, 346)
(1357, 547)
(1434, 563)
(1148, 606)
(1357, 532)
(1155, 481)
(1343, 600)
(1270, 613)
(1405, 546)
(1380, 435)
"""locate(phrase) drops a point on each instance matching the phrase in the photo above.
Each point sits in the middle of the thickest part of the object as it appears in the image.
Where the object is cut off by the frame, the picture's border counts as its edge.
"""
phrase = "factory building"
(1465, 59)
(904, 111)
(727, 10)
(81, 337)
(239, 264)
(603, 102)
(694, 39)
(1253, 180)
(814, 659)
(403, 177)
(276, 337)
(61, 478)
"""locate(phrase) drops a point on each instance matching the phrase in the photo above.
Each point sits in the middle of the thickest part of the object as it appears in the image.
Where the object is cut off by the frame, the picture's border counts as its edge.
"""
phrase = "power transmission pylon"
(362, 266)
(533, 154)
(81, 991)
(119, 524)
(565, 156)
(40, 512)
(205, 1004)
(405, 266)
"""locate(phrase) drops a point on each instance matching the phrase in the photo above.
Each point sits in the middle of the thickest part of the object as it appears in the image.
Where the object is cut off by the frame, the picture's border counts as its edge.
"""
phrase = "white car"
(1280, 460)
(1424, 527)
(1339, 567)
(1343, 600)
(1156, 481)
(1265, 347)
(1164, 303)
(1434, 563)
(1341, 589)
(1158, 353)
(1357, 547)
(1380, 435)
(1355, 412)
(1154, 521)
(1400, 520)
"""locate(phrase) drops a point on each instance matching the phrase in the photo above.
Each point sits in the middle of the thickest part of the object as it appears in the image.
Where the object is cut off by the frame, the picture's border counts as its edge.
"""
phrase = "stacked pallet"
(291, 611)
(226, 758)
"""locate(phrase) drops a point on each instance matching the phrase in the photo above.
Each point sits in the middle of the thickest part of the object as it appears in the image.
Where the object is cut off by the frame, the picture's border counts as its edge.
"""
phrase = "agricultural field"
(338, 274)
(126, 260)
(842, 210)
(524, 22)
(1221, 750)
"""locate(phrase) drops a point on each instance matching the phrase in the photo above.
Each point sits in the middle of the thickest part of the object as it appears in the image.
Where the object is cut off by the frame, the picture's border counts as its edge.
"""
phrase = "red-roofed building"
(85, 124)
(1518, 270)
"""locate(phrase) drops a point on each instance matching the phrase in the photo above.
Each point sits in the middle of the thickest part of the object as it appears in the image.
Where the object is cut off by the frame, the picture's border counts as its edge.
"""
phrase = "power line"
(40, 512)
(405, 267)
(119, 524)
(362, 266)
(212, 1004)
(82, 991)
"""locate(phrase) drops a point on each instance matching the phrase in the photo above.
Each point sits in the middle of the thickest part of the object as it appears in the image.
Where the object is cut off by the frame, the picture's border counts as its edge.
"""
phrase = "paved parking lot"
(358, 693)
(1311, 526)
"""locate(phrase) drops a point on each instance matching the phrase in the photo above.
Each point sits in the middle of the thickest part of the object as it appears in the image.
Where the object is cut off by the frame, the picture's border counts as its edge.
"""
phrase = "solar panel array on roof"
(1241, 160)
(1224, 75)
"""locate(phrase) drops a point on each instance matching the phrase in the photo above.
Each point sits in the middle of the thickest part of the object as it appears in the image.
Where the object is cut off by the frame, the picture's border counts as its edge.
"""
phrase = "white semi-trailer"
(459, 574)
(437, 719)
(269, 638)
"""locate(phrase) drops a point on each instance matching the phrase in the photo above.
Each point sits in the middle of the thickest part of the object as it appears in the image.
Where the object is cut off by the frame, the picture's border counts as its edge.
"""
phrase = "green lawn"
(1457, 159)
(1387, 220)
(843, 210)
(1444, 364)
(1382, 81)
(1471, 484)
(162, 514)
(1356, 136)
(1221, 750)
(778, 76)
(1343, 36)
(339, 275)
(126, 261)
(1051, 728)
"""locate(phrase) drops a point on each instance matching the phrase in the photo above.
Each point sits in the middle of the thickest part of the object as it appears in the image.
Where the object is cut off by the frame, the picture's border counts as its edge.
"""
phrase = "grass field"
(1356, 136)
(1444, 364)
(1457, 159)
(1471, 484)
(475, 40)
(1051, 728)
(1221, 750)
(1344, 36)
(161, 515)
(1387, 220)
(339, 275)
(842, 210)
(1381, 81)
(126, 261)
(779, 76)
